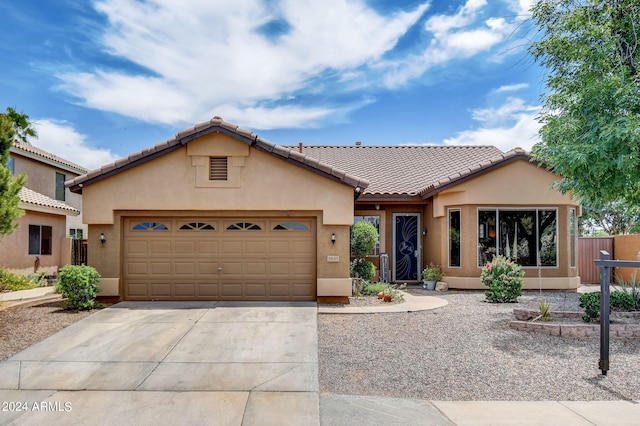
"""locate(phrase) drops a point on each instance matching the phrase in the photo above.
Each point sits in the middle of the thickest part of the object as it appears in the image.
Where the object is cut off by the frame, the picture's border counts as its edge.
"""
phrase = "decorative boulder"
(441, 286)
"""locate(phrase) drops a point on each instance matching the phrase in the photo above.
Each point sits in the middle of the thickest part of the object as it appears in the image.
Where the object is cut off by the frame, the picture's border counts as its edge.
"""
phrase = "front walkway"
(411, 304)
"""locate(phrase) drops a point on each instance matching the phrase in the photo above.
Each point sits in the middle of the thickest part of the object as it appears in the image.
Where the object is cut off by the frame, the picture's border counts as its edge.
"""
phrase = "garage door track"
(235, 363)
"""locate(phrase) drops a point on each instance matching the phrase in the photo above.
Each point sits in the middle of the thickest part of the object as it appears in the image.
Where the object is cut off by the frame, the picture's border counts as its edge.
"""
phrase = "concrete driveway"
(228, 363)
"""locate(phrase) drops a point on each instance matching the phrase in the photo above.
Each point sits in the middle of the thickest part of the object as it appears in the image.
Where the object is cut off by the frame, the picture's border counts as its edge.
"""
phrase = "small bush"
(545, 310)
(12, 282)
(361, 268)
(371, 289)
(619, 300)
(364, 237)
(78, 284)
(504, 279)
(632, 288)
(591, 304)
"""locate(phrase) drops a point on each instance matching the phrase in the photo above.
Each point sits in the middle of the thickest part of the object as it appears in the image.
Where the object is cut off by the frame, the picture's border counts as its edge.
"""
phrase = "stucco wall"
(41, 177)
(519, 183)
(14, 250)
(169, 182)
(259, 185)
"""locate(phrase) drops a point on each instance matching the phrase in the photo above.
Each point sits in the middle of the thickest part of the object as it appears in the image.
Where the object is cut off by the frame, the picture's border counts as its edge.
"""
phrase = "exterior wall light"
(333, 238)
(103, 239)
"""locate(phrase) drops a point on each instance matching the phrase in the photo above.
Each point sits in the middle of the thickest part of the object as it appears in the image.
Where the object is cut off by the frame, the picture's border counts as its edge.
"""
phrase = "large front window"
(40, 239)
(528, 237)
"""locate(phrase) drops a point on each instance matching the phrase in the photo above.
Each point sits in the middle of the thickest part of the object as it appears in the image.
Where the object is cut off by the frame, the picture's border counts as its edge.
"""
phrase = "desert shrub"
(362, 269)
(12, 282)
(504, 279)
(371, 289)
(39, 279)
(632, 288)
(78, 284)
(618, 300)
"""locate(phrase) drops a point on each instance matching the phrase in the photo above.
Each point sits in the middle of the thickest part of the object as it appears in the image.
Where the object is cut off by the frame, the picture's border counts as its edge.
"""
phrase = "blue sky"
(103, 79)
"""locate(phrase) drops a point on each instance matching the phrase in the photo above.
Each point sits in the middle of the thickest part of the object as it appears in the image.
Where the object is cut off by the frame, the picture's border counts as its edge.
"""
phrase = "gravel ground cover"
(466, 351)
(24, 325)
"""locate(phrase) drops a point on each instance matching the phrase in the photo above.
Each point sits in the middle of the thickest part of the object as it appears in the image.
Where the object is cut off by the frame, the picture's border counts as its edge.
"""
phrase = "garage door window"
(150, 226)
(200, 226)
(244, 226)
(291, 226)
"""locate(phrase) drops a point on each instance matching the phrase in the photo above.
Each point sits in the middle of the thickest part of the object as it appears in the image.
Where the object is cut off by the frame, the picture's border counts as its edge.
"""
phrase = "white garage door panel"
(214, 259)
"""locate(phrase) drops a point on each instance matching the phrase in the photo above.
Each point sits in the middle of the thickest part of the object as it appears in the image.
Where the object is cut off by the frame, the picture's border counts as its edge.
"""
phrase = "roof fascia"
(45, 160)
(48, 210)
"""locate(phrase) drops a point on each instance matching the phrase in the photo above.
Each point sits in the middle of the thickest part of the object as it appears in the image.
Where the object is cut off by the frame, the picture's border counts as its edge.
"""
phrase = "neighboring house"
(217, 213)
(52, 212)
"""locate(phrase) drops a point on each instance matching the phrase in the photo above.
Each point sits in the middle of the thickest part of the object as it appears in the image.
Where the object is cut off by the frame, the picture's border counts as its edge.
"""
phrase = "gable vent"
(218, 168)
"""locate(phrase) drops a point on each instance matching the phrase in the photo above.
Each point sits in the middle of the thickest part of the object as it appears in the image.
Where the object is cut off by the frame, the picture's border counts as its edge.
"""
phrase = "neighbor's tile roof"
(27, 147)
(217, 124)
(411, 170)
(29, 196)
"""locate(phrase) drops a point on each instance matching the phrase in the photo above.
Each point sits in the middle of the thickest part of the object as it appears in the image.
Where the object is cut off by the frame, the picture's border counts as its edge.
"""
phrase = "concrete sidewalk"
(411, 304)
(338, 410)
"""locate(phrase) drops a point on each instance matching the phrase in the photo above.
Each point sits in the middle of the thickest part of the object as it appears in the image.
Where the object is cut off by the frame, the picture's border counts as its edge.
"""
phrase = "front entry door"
(406, 247)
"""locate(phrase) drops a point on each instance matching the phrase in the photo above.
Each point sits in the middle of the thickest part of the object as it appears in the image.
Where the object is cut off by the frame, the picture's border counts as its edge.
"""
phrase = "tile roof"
(412, 170)
(66, 164)
(217, 124)
(29, 196)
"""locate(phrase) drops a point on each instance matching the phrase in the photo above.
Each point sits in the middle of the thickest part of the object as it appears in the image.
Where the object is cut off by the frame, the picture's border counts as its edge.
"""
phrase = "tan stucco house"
(217, 213)
(52, 212)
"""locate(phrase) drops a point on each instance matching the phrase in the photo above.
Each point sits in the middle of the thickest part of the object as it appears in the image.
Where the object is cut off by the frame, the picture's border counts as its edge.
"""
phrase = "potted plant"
(432, 274)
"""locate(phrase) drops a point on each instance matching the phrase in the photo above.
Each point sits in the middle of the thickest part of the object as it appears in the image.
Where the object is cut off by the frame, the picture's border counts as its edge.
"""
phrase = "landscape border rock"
(620, 331)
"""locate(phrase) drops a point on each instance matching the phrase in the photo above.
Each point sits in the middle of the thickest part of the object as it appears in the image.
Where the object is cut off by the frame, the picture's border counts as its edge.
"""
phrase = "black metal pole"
(605, 281)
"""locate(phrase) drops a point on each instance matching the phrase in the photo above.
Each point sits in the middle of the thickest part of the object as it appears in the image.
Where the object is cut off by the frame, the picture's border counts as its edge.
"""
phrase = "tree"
(22, 126)
(613, 218)
(591, 112)
(364, 237)
(9, 186)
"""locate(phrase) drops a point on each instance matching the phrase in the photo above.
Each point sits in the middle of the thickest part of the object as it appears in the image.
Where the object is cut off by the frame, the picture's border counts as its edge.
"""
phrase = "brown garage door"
(219, 259)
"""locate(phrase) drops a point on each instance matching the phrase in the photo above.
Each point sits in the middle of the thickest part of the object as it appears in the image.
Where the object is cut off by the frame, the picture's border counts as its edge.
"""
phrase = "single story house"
(217, 213)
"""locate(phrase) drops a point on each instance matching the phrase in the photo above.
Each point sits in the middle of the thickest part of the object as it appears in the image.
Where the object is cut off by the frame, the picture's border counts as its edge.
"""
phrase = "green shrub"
(504, 279)
(78, 284)
(364, 237)
(591, 304)
(372, 289)
(618, 300)
(39, 279)
(362, 269)
(632, 288)
(12, 282)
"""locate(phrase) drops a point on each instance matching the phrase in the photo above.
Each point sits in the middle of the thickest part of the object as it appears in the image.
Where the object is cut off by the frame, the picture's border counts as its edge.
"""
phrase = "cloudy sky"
(103, 79)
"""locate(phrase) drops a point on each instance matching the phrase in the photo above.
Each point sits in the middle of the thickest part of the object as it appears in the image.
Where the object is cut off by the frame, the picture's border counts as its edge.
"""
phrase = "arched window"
(150, 226)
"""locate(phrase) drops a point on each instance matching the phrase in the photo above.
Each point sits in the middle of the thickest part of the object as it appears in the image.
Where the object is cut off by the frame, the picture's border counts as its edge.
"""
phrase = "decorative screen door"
(406, 247)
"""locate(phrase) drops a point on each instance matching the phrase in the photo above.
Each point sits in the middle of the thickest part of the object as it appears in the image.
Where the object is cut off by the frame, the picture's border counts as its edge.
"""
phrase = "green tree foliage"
(364, 237)
(613, 218)
(591, 114)
(9, 186)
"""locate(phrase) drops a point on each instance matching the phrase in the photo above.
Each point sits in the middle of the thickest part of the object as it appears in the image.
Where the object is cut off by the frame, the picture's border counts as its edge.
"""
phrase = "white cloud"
(512, 87)
(61, 139)
(453, 37)
(511, 125)
(206, 56)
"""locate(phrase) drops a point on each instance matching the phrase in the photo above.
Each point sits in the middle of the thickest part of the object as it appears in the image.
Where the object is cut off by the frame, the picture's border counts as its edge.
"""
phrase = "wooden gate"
(79, 252)
(589, 250)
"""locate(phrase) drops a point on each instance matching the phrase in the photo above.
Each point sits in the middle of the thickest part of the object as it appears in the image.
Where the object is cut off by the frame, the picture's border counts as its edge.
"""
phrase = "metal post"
(605, 281)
